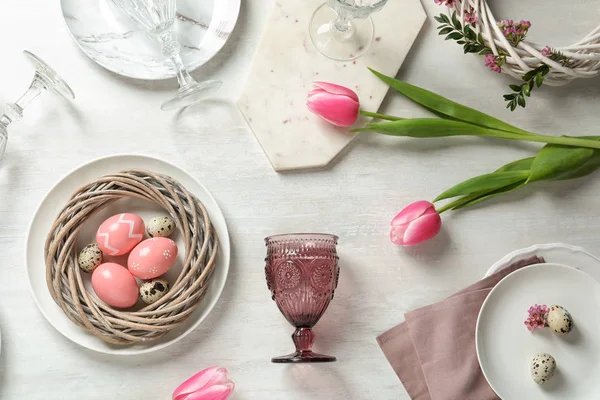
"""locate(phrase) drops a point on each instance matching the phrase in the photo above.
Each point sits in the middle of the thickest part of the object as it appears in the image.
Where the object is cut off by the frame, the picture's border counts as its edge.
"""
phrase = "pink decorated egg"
(119, 234)
(115, 285)
(152, 258)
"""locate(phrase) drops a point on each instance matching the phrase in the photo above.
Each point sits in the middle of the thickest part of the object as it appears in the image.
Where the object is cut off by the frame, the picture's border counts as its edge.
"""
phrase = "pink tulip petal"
(425, 228)
(397, 234)
(315, 91)
(208, 377)
(336, 89)
(337, 110)
(216, 392)
(412, 212)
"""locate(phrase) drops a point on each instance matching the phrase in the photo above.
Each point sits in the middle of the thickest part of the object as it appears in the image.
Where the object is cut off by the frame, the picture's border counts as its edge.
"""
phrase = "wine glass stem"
(342, 27)
(172, 50)
(342, 23)
(14, 112)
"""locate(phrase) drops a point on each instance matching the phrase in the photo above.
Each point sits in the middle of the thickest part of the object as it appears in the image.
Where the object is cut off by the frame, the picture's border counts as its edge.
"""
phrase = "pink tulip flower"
(415, 224)
(209, 384)
(336, 104)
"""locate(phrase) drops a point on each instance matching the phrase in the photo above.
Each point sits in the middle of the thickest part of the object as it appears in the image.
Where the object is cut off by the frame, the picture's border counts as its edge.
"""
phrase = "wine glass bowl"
(302, 273)
(343, 29)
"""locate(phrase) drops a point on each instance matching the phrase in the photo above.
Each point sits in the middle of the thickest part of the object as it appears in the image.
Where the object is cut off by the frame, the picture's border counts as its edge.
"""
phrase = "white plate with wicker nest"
(197, 279)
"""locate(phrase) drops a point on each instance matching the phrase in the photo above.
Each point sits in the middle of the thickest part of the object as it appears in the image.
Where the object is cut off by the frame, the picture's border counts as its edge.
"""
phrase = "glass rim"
(282, 236)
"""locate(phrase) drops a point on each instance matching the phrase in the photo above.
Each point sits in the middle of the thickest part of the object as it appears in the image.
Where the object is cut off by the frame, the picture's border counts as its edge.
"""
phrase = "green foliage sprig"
(463, 35)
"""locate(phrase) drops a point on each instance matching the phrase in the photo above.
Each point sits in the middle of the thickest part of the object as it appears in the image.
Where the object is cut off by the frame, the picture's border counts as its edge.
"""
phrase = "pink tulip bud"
(415, 224)
(336, 104)
(209, 384)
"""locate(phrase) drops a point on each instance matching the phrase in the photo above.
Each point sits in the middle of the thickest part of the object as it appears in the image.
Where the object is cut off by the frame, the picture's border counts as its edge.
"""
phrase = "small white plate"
(113, 41)
(505, 347)
(558, 253)
(53, 203)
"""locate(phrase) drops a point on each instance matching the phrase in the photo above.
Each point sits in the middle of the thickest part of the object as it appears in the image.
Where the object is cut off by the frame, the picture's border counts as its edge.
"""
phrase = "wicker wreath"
(65, 281)
(584, 55)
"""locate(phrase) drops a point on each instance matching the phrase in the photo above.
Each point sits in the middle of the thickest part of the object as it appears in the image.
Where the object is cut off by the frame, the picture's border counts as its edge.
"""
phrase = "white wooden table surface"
(355, 198)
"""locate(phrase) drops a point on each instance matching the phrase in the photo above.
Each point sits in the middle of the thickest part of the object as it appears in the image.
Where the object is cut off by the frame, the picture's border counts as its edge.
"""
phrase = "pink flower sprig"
(471, 16)
(537, 317)
(494, 62)
(515, 32)
(447, 3)
(547, 51)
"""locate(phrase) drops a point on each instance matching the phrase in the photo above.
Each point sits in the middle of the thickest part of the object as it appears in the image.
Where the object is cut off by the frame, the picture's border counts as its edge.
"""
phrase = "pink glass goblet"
(302, 273)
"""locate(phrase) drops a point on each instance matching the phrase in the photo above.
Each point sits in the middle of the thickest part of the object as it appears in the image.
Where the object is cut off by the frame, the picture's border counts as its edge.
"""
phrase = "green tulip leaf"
(445, 107)
(484, 183)
(482, 196)
(519, 165)
(560, 162)
(591, 165)
(434, 127)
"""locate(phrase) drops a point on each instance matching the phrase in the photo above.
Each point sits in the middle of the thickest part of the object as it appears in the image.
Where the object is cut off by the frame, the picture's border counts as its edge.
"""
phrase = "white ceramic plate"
(558, 253)
(53, 203)
(505, 347)
(113, 41)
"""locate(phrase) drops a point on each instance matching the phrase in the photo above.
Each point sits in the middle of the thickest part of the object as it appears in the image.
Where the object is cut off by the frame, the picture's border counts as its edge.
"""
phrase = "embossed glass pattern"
(157, 17)
(342, 29)
(45, 78)
(302, 273)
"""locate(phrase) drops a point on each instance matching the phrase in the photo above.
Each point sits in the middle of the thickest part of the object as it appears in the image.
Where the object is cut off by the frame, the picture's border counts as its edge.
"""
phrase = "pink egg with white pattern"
(120, 233)
(152, 258)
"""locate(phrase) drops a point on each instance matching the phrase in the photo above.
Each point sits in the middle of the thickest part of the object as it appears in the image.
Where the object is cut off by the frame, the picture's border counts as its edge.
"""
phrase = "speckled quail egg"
(153, 290)
(542, 368)
(90, 257)
(559, 320)
(161, 227)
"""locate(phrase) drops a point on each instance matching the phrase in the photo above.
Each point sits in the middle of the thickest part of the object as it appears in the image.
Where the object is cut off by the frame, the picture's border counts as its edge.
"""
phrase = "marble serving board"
(285, 65)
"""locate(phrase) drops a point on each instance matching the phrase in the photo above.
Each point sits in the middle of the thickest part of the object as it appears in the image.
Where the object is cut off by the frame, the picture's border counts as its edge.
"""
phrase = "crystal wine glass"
(343, 29)
(302, 273)
(45, 78)
(157, 18)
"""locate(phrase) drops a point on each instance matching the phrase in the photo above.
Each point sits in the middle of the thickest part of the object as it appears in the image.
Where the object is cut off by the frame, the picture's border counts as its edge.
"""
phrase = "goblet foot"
(337, 45)
(303, 357)
(50, 78)
(191, 94)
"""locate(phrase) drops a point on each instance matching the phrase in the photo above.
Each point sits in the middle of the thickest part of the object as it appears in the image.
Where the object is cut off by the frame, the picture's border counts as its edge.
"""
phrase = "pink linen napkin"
(433, 351)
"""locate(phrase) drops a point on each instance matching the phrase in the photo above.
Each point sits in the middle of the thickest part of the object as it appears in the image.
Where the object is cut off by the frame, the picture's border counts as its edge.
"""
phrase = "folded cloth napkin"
(433, 351)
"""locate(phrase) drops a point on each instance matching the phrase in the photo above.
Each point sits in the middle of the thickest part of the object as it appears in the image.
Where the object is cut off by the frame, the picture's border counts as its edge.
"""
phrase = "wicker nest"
(584, 55)
(65, 281)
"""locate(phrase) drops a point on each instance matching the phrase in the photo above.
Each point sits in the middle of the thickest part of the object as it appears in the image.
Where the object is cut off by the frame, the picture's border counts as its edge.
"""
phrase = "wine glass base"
(337, 45)
(51, 78)
(303, 357)
(191, 94)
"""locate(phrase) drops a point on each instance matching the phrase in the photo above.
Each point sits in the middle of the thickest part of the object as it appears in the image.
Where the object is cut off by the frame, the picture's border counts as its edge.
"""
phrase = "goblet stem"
(190, 91)
(172, 50)
(342, 27)
(14, 111)
(303, 339)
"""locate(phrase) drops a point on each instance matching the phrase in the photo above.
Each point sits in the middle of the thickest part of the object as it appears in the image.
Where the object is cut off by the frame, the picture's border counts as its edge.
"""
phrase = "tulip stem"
(458, 202)
(380, 116)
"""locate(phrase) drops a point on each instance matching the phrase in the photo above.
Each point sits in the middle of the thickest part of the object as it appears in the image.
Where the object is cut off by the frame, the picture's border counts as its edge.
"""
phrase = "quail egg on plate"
(542, 368)
(559, 320)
